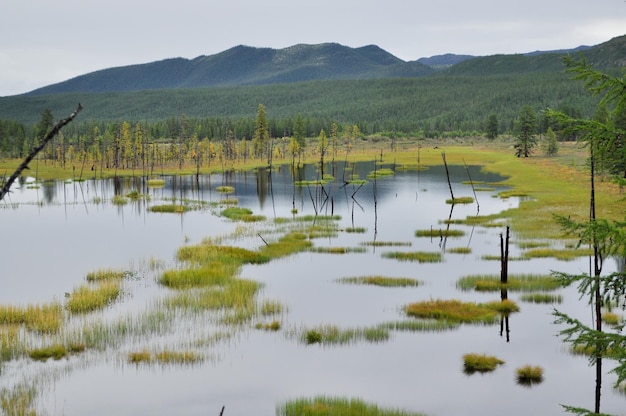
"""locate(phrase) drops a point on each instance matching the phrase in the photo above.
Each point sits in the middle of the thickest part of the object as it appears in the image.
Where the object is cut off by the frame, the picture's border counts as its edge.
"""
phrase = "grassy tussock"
(453, 311)
(87, 298)
(353, 230)
(169, 208)
(504, 306)
(164, 357)
(45, 318)
(418, 256)
(291, 243)
(106, 274)
(56, 351)
(380, 173)
(459, 250)
(333, 335)
(271, 326)
(213, 274)
(559, 254)
(439, 233)
(207, 253)
(515, 283)
(329, 406)
(529, 375)
(119, 200)
(541, 298)
(481, 363)
(241, 214)
(382, 281)
(225, 189)
(460, 200)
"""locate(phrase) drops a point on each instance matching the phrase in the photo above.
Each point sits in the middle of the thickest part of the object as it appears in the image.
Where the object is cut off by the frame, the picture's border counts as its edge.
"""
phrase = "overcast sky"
(47, 41)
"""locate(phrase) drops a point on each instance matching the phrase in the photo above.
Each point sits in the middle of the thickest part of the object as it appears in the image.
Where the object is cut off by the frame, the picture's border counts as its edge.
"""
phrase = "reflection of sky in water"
(58, 234)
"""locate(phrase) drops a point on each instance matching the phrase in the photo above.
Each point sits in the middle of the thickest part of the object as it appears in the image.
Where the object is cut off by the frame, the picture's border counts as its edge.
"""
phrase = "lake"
(56, 232)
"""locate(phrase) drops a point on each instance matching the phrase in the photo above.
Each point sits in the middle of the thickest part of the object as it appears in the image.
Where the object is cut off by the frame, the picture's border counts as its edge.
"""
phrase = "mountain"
(244, 65)
(444, 61)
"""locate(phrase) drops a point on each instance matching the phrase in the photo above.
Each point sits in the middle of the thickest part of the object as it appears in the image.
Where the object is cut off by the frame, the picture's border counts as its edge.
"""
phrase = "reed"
(481, 363)
(382, 281)
(453, 311)
(329, 406)
(18, 400)
(418, 256)
(529, 375)
(11, 343)
(87, 298)
(516, 283)
(271, 307)
(439, 233)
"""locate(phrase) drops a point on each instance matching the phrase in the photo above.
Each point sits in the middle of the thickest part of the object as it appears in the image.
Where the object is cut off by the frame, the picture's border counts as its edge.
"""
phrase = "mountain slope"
(244, 65)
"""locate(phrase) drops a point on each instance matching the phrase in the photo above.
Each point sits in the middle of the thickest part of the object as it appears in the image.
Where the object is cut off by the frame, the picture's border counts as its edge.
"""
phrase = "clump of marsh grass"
(460, 200)
(326, 406)
(46, 318)
(19, 400)
(459, 250)
(504, 306)
(354, 230)
(291, 243)
(481, 363)
(56, 351)
(138, 357)
(170, 208)
(271, 326)
(134, 195)
(517, 283)
(558, 254)
(380, 281)
(380, 173)
(225, 189)
(177, 357)
(439, 233)
(241, 214)
(229, 201)
(529, 375)
(421, 325)
(418, 256)
(106, 274)
(453, 311)
(541, 298)
(208, 253)
(156, 183)
(87, 298)
(387, 243)
(337, 250)
(119, 200)
(271, 307)
(333, 335)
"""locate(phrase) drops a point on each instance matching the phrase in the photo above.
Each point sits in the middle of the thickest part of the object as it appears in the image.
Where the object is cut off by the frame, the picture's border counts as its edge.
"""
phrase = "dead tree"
(24, 165)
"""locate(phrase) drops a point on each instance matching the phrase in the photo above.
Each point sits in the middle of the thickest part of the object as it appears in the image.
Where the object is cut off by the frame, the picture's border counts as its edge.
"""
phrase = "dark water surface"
(56, 233)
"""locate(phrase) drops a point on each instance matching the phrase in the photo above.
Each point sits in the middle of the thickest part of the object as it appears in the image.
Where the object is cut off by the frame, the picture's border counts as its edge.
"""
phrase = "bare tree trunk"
(24, 165)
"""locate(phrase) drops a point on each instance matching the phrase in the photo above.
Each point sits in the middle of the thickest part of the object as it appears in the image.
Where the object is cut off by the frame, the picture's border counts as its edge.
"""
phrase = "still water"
(57, 232)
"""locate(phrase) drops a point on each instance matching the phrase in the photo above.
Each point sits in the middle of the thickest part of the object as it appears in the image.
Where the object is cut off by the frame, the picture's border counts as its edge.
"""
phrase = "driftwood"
(24, 165)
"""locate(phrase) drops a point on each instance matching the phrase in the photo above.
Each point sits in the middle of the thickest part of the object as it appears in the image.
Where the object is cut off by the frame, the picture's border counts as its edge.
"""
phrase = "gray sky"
(47, 41)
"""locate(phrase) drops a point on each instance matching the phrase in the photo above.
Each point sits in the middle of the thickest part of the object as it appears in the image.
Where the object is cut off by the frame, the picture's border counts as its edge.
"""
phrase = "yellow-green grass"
(12, 343)
(611, 318)
(156, 183)
(138, 357)
(559, 254)
(170, 208)
(515, 283)
(480, 220)
(337, 250)
(291, 243)
(316, 182)
(434, 232)
(541, 298)
(493, 257)
(359, 230)
(504, 306)
(380, 173)
(421, 325)
(207, 253)
(418, 256)
(88, 298)
(481, 363)
(387, 243)
(45, 318)
(56, 351)
(235, 294)
(460, 200)
(225, 189)
(331, 406)
(215, 273)
(106, 274)
(333, 335)
(18, 400)
(229, 201)
(271, 307)
(241, 214)
(530, 244)
(268, 326)
(453, 311)
(529, 375)
(459, 250)
(119, 200)
(378, 280)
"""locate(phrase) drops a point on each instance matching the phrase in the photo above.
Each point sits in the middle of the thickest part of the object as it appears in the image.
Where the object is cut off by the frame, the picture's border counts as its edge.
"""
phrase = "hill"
(245, 65)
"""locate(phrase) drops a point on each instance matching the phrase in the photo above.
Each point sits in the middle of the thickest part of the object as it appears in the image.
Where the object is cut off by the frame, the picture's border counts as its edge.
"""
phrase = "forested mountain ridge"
(245, 65)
